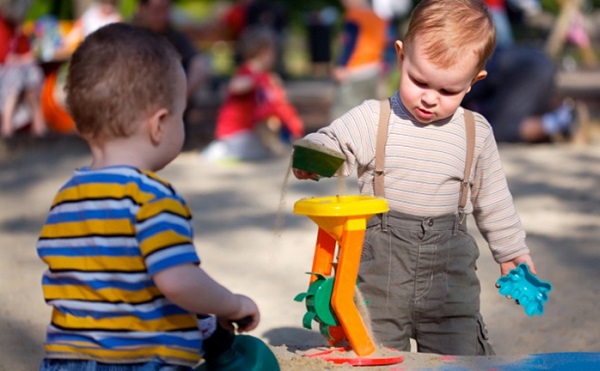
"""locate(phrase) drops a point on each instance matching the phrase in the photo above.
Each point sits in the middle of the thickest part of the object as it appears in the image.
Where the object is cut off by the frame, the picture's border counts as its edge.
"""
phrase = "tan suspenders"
(464, 186)
(382, 129)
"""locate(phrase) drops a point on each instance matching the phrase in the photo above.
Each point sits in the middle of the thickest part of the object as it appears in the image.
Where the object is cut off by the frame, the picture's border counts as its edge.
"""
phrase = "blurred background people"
(256, 121)
(519, 96)
(246, 14)
(155, 14)
(21, 80)
(99, 13)
(319, 27)
(359, 63)
(394, 12)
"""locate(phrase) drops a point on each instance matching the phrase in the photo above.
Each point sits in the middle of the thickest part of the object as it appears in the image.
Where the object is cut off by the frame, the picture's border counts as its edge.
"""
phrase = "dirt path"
(556, 188)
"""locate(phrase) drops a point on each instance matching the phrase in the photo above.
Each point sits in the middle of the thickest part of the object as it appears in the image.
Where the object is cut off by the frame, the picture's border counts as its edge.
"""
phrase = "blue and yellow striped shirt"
(108, 232)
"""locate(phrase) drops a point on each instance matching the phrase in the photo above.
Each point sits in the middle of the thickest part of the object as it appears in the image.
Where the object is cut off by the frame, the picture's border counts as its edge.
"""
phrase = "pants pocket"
(371, 234)
(483, 346)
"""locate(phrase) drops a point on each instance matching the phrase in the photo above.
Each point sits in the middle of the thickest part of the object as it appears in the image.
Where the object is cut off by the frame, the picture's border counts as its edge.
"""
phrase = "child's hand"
(246, 318)
(340, 74)
(301, 174)
(512, 264)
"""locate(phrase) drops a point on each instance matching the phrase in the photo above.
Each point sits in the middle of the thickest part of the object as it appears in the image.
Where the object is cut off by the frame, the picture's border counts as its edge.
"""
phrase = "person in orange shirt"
(358, 67)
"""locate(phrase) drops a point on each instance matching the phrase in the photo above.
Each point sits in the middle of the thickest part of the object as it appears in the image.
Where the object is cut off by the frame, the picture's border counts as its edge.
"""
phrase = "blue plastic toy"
(528, 290)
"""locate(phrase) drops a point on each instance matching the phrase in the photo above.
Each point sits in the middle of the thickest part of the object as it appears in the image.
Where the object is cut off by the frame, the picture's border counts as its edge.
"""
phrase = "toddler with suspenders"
(435, 163)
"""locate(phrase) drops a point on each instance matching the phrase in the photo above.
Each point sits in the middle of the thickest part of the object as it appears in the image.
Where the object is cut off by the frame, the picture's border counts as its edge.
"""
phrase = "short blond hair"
(118, 74)
(449, 29)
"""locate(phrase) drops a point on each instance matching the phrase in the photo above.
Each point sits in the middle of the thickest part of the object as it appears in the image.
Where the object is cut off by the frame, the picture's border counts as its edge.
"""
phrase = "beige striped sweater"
(424, 166)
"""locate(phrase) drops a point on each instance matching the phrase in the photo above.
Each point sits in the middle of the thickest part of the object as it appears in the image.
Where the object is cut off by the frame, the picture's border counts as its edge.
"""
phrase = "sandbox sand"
(556, 190)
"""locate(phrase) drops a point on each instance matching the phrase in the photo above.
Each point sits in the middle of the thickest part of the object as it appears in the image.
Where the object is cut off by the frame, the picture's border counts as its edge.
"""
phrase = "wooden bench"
(584, 87)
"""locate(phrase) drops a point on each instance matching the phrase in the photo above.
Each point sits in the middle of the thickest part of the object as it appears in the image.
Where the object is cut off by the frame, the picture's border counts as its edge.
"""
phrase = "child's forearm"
(191, 288)
(241, 85)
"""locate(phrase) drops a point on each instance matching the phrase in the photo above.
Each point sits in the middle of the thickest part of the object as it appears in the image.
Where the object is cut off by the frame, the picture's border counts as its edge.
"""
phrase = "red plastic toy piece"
(347, 356)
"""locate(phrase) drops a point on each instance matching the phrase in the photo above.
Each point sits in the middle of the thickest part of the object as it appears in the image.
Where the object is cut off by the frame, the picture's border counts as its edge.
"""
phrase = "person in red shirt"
(19, 75)
(256, 116)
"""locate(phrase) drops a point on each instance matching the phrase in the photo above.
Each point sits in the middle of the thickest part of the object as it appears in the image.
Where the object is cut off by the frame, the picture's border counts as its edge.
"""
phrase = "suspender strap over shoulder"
(382, 130)
(464, 185)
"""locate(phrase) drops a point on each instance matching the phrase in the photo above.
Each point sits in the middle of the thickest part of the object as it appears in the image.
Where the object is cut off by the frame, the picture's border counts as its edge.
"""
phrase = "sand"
(556, 190)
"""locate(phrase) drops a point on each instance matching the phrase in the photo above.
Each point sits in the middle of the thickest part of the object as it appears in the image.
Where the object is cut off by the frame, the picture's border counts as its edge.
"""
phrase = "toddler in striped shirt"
(435, 163)
(123, 276)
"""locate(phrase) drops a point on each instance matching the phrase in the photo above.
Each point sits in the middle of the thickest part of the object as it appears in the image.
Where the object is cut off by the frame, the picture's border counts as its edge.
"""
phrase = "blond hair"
(118, 74)
(447, 30)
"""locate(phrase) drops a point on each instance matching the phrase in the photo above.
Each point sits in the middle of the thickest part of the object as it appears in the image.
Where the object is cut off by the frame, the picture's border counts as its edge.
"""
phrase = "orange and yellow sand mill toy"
(330, 299)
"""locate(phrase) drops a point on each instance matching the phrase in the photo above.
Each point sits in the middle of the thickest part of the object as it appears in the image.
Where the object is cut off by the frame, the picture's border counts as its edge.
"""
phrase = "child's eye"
(447, 92)
(418, 82)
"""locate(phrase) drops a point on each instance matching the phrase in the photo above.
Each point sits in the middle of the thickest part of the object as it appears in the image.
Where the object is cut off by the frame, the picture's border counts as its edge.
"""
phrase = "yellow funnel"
(333, 214)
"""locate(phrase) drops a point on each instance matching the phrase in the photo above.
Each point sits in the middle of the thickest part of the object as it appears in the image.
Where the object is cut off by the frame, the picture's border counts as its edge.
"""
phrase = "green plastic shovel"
(315, 158)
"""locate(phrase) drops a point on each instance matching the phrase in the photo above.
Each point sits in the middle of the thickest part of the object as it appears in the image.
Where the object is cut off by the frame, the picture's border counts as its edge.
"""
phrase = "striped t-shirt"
(108, 232)
(424, 166)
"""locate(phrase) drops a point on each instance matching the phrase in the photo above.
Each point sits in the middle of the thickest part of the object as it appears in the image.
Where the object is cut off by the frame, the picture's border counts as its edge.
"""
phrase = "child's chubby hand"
(301, 174)
(340, 74)
(512, 264)
(246, 318)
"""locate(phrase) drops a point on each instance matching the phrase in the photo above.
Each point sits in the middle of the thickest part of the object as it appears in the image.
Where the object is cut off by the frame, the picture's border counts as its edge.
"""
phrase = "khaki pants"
(418, 277)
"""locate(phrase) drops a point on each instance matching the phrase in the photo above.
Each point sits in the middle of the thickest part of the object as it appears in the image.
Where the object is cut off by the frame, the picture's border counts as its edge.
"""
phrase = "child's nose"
(429, 97)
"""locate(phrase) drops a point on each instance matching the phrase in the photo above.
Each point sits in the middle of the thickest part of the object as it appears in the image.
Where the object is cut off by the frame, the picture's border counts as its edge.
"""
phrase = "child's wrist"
(236, 308)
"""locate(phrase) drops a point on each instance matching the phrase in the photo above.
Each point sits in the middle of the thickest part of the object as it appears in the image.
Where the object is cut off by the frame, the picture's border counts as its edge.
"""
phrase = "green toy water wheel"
(320, 302)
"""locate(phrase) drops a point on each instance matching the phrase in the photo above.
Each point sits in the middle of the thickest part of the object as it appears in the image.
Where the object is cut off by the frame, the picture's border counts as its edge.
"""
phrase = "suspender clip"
(384, 222)
(458, 221)
(461, 216)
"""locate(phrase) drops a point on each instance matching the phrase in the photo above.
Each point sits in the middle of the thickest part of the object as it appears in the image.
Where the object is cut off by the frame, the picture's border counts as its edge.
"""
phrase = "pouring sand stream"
(359, 299)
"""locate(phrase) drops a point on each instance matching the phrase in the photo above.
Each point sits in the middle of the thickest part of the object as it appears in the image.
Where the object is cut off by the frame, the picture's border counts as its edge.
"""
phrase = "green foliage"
(62, 9)
(197, 10)
(550, 6)
(127, 7)
(553, 6)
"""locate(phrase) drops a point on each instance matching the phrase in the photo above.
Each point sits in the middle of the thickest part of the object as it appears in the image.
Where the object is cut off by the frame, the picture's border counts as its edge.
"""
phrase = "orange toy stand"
(342, 221)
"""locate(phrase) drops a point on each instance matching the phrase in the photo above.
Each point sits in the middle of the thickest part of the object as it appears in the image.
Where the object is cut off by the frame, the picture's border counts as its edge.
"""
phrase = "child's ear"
(155, 125)
(399, 51)
(480, 76)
